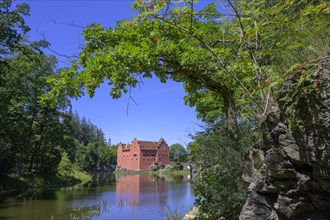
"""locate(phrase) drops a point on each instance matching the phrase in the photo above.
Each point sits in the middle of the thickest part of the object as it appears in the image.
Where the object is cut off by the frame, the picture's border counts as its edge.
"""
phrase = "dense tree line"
(33, 136)
(86, 145)
(178, 153)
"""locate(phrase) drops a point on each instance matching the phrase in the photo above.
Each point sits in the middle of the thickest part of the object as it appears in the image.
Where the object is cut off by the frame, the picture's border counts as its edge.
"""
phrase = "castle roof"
(148, 145)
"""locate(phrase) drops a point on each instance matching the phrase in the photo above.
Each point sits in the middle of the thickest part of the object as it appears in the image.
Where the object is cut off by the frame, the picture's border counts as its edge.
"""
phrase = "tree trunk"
(230, 111)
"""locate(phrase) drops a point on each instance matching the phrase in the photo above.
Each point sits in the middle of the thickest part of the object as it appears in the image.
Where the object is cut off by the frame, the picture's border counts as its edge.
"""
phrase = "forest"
(232, 56)
(35, 137)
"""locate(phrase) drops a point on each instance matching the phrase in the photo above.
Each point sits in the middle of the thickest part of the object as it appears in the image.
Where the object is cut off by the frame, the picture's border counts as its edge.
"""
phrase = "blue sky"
(160, 111)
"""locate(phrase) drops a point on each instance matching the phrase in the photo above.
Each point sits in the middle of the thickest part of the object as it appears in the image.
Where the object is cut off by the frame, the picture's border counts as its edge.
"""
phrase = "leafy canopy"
(12, 25)
(178, 153)
(228, 54)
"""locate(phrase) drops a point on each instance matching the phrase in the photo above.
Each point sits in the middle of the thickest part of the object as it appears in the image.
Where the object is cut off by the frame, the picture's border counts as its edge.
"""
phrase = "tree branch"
(129, 100)
(218, 60)
(54, 21)
(55, 52)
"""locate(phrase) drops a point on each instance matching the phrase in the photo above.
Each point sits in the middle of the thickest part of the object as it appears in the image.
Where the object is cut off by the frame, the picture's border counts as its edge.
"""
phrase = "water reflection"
(107, 197)
(137, 190)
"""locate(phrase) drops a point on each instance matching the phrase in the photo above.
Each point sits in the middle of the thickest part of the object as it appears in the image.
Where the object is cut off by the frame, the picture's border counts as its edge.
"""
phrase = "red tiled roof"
(148, 145)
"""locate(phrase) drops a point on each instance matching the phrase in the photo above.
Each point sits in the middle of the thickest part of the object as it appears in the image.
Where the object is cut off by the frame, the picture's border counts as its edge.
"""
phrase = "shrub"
(219, 185)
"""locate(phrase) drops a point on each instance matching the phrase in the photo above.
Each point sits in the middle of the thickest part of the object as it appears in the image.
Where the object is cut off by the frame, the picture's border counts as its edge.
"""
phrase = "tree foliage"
(178, 153)
(219, 187)
(31, 133)
(33, 136)
(86, 144)
(228, 54)
(65, 166)
(12, 25)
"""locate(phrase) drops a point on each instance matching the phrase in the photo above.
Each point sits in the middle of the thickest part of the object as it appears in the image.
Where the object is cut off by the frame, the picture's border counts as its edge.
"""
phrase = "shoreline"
(17, 183)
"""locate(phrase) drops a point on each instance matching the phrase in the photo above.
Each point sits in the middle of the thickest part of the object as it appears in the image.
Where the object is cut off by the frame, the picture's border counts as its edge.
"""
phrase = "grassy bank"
(21, 182)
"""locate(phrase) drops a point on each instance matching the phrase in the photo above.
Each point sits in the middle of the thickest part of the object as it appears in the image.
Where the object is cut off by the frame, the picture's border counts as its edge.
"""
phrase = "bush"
(219, 185)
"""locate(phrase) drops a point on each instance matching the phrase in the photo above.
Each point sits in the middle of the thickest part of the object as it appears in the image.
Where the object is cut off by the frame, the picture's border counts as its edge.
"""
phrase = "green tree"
(178, 153)
(12, 28)
(219, 187)
(107, 156)
(12, 25)
(33, 135)
(28, 130)
(65, 166)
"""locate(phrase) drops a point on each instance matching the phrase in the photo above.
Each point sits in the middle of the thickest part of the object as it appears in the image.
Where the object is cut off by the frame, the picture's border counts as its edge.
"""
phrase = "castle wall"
(137, 157)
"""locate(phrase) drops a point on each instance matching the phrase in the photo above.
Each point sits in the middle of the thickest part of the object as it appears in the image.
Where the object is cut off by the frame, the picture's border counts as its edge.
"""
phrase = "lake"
(109, 196)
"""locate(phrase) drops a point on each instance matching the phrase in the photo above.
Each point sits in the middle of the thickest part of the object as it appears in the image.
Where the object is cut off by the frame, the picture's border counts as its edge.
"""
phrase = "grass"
(21, 182)
(82, 176)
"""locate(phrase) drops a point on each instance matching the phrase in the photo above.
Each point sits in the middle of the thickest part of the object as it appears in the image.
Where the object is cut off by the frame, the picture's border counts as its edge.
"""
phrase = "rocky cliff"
(289, 169)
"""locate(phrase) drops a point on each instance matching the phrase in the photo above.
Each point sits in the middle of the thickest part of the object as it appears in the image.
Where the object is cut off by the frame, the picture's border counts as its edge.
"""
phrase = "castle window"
(134, 154)
(153, 155)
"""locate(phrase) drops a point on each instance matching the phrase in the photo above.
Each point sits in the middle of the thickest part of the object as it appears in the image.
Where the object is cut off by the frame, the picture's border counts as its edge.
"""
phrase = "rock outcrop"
(120, 168)
(156, 166)
(192, 214)
(289, 169)
(173, 167)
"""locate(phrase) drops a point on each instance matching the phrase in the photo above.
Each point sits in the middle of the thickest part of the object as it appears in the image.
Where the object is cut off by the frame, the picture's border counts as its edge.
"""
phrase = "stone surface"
(191, 214)
(157, 166)
(173, 167)
(120, 168)
(289, 169)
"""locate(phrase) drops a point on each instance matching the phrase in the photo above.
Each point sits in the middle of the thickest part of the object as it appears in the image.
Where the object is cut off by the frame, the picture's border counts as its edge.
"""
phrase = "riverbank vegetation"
(36, 138)
(219, 187)
(16, 183)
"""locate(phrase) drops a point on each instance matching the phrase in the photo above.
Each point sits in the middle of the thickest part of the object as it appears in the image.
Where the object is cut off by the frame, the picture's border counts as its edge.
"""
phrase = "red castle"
(141, 154)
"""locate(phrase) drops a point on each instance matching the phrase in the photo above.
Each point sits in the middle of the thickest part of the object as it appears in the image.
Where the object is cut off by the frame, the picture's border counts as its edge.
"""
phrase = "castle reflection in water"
(146, 190)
